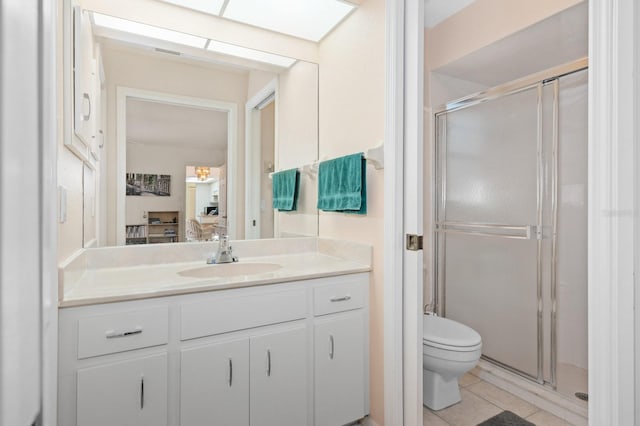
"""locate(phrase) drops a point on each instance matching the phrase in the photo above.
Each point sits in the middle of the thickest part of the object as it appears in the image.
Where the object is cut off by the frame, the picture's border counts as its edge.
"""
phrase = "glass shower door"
(488, 222)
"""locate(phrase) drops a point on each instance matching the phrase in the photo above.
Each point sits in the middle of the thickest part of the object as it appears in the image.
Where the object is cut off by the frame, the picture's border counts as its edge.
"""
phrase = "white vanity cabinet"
(113, 365)
(340, 353)
(279, 378)
(214, 384)
(269, 369)
(339, 369)
(294, 353)
(126, 393)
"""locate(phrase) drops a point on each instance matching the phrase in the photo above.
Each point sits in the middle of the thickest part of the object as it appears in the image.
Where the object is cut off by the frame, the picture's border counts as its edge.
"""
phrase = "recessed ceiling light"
(207, 6)
(307, 19)
(145, 30)
(251, 54)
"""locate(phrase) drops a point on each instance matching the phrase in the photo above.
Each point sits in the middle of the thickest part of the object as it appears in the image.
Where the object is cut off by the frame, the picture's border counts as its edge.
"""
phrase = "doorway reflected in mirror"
(205, 198)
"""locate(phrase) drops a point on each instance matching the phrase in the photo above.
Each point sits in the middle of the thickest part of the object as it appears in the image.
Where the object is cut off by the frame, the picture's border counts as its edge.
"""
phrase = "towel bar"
(374, 156)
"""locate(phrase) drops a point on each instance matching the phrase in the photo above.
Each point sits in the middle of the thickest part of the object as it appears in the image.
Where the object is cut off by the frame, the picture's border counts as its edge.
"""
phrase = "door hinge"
(414, 242)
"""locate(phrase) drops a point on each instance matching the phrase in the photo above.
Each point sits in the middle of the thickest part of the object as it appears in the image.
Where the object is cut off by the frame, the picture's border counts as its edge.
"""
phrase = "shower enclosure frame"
(440, 226)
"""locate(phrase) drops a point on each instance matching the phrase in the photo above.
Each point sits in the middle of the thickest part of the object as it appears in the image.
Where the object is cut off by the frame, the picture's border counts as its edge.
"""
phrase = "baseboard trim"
(536, 394)
(368, 422)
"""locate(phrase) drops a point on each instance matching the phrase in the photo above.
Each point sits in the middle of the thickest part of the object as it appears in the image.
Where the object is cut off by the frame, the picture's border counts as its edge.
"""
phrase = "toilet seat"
(450, 335)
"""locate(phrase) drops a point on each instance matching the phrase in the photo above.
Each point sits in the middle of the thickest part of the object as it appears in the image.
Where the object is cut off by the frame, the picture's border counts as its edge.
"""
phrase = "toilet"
(449, 349)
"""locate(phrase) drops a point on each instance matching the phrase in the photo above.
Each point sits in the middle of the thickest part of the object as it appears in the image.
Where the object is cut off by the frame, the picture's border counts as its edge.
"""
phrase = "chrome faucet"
(224, 253)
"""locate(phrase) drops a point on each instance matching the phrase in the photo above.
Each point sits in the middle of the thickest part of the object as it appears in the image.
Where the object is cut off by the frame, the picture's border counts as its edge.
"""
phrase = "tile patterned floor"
(481, 401)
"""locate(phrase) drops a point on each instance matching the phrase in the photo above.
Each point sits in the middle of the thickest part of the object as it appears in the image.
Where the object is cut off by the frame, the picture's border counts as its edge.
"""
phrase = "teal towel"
(342, 184)
(285, 190)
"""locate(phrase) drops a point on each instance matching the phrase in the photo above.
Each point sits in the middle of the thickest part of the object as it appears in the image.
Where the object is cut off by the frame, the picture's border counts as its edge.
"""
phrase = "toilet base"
(438, 393)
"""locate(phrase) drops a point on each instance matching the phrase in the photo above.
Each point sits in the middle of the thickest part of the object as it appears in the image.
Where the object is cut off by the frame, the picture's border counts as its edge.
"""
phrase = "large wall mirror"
(180, 132)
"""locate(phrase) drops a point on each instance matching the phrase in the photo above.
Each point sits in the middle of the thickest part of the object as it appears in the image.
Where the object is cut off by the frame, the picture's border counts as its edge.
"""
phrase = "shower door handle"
(519, 232)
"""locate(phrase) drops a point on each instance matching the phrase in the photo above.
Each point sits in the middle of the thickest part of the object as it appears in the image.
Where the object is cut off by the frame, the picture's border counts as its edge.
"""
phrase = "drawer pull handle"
(230, 372)
(268, 363)
(341, 299)
(112, 334)
(142, 392)
(332, 343)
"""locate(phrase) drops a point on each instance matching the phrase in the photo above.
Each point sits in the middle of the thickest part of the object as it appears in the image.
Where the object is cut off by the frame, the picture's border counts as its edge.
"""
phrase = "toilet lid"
(447, 332)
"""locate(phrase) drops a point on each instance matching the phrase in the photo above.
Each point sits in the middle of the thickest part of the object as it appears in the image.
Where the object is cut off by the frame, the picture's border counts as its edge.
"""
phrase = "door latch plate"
(414, 242)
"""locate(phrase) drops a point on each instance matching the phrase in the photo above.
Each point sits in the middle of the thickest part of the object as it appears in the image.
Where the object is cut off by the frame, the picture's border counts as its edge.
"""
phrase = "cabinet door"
(214, 385)
(279, 378)
(128, 393)
(84, 78)
(339, 369)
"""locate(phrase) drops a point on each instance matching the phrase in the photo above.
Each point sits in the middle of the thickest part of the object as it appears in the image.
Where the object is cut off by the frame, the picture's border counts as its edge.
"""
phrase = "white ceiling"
(559, 39)
(150, 36)
(155, 123)
(436, 11)
(307, 19)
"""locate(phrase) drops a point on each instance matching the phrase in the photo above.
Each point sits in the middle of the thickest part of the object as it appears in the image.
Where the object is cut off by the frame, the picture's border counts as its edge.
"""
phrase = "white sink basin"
(229, 270)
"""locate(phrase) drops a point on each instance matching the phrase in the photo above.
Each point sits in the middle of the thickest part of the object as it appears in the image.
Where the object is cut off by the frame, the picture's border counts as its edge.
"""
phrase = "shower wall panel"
(572, 221)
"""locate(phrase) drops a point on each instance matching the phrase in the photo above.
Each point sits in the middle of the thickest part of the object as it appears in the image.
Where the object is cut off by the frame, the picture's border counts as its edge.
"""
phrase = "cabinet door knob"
(268, 363)
(332, 346)
(230, 372)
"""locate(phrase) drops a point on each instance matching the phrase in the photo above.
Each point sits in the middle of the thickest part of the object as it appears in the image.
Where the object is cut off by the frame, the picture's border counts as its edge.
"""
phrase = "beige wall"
(70, 175)
(297, 144)
(267, 139)
(154, 73)
(352, 82)
(484, 22)
(257, 81)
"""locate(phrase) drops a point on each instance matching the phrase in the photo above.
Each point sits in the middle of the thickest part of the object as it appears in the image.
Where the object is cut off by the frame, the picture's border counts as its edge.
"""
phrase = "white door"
(128, 393)
(413, 214)
(214, 385)
(339, 369)
(27, 362)
(278, 380)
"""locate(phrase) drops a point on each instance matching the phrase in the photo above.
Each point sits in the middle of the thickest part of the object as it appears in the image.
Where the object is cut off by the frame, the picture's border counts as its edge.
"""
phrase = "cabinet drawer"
(339, 297)
(224, 314)
(122, 331)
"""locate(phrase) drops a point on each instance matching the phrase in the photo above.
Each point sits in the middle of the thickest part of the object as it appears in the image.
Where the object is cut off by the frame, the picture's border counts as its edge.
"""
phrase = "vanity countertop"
(101, 283)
